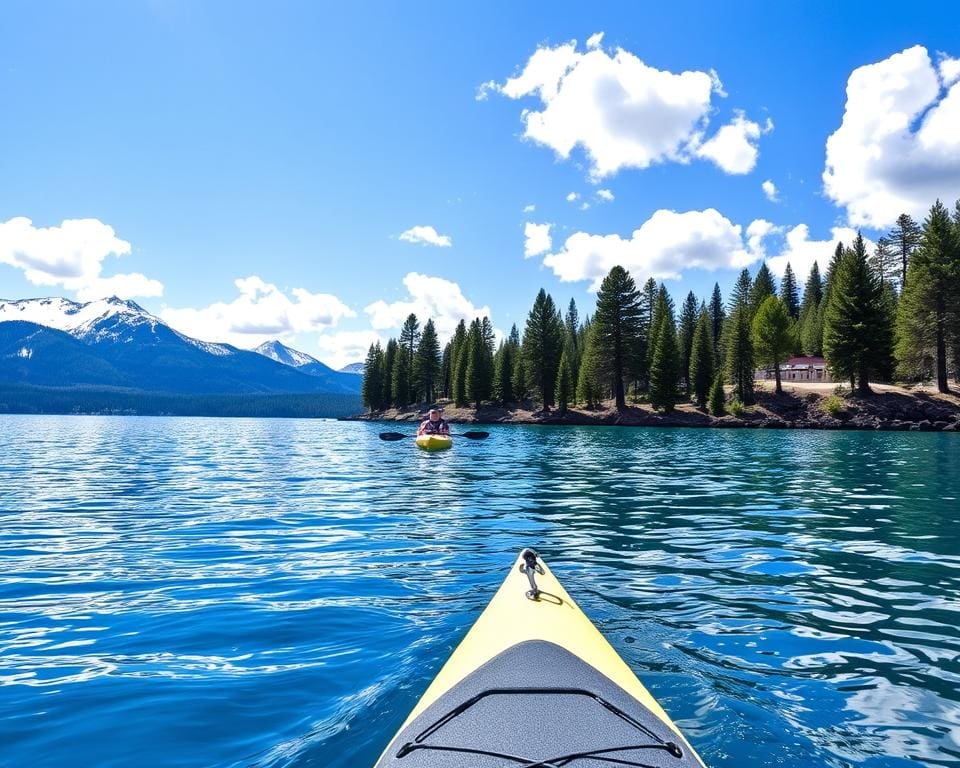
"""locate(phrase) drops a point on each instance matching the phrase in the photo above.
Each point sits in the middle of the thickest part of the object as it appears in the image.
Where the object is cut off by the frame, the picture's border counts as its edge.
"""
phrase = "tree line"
(892, 313)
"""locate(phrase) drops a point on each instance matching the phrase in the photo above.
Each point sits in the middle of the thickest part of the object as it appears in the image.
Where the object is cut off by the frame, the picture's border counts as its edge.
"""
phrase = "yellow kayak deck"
(537, 647)
(434, 442)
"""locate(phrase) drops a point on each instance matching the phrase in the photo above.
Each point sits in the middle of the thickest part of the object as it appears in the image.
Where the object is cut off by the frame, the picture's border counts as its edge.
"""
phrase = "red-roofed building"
(803, 368)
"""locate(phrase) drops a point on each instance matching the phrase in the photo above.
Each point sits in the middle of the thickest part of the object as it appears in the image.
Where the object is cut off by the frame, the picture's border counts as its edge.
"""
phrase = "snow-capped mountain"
(280, 352)
(58, 342)
(355, 368)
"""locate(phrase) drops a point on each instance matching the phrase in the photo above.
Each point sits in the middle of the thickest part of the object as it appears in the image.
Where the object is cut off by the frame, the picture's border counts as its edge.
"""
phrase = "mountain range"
(116, 344)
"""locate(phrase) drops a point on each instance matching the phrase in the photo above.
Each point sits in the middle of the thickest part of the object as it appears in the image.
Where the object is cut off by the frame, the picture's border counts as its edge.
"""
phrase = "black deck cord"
(554, 762)
(531, 567)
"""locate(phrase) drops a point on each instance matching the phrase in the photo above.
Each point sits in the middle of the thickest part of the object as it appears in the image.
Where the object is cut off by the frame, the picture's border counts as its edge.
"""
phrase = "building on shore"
(809, 369)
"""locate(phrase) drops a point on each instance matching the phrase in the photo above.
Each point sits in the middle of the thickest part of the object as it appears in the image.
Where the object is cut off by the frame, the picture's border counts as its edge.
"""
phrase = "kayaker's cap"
(434, 411)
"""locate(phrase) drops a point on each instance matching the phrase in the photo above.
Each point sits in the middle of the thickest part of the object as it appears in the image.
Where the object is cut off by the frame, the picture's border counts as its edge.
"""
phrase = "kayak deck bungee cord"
(535, 684)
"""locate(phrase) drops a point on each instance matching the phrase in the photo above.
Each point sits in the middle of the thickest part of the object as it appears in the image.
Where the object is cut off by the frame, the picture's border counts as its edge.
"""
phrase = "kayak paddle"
(394, 436)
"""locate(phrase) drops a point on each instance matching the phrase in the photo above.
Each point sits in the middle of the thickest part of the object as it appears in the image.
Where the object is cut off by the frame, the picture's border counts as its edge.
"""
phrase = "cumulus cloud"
(770, 190)
(572, 197)
(663, 247)
(537, 239)
(426, 235)
(623, 112)
(605, 195)
(428, 297)
(801, 252)
(734, 147)
(261, 312)
(72, 256)
(529, 208)
(344, 347)
(595, 40)
(898, 146)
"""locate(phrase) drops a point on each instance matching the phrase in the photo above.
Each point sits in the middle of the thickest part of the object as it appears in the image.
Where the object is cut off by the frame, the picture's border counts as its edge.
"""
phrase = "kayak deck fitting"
(535, 684)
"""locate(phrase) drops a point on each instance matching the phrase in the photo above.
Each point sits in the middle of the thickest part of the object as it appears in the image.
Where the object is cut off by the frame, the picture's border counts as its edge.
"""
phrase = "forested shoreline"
(889, 315)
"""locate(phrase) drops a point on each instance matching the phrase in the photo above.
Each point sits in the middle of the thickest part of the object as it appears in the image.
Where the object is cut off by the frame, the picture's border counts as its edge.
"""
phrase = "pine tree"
(503, 374)
(717, 318)
(773, 335)
(702, 359)
(688, 323)
(588, 383)
(372, 389)
(928, 320)
(763, 286)
(518, 380)
(904, 239)
(426, 364)
(400, 385)
(811, 326)
(478, 374)
(813, 290)
(566, 385)
(389, 359)
(857, 332)
(409, 338)
(458, 364)
(445, 369)
(542, 347)
(717, 396)
(640, 375)
(665, 361)
(885, 262)
(789, 293)
(571, 324)
(616, 325)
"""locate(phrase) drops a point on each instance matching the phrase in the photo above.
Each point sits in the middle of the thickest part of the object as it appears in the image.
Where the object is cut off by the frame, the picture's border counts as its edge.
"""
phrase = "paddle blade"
(392, 436)
(475, 435)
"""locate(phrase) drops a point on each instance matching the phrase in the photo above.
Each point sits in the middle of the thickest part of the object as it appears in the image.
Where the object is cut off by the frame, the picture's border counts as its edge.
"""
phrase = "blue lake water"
(205, 592)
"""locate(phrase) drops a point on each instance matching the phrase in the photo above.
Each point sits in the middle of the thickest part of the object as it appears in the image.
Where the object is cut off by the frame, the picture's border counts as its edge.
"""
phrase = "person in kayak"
(434, 424)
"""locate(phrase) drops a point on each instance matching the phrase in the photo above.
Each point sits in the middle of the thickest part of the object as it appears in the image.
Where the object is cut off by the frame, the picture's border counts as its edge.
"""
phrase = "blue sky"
(287, 146)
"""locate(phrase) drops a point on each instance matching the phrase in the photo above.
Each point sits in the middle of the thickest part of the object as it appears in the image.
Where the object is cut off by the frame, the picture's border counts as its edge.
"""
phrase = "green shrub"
(717, 397)
(737, 408)
(832, 405)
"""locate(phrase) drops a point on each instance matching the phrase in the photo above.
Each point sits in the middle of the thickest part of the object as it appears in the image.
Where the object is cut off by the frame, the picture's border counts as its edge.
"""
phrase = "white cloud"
(800, 251)
(595, 40)
(537, 239)
(426, 235)
(261, 312)
(344, 347)
(898, 147)
(429, 297)
(71, 256)
(663, 247)
(529, 208)
(770, 190)
(623, 112)
(572, 197)
(734, 147)
(757, 232)
(605, 195)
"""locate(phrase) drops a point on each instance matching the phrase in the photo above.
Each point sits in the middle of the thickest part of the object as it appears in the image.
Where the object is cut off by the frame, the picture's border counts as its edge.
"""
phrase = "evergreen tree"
(445, 369)
(519, 382)
(885, 262)
(542, 347)
(640, 372)
(811, 326)
(479, 373)
(702, 358)
(409, 338)
(789, 293)
(928, 320)
(813, 290)
(739, 352)
(904, 240)
(566, 385)
(400, 385)
(857, 332)
(588, 382)
(688, 323)
(665, 361)
(616, 328)
(773, 335)
(389, 359)
(458, 364)
(426, 364)
(717, 396)
(503, 374)
(741, 289)
(372, 388)
(717, 318)
(763, 286)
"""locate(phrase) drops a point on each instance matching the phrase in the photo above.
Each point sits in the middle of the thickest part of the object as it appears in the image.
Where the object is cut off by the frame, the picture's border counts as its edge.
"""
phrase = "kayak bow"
(434, 442)
(535, 684)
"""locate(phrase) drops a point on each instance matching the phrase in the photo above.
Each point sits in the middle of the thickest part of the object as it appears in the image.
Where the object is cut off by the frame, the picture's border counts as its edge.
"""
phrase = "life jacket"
(438, 427)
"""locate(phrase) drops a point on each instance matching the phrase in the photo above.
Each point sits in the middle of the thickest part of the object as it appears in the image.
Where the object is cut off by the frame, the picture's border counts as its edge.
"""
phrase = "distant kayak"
(535, 684)
(434, 442)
